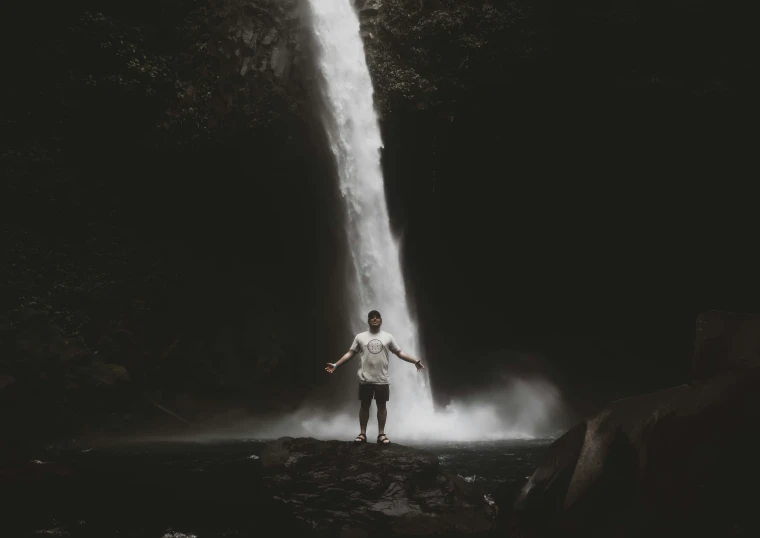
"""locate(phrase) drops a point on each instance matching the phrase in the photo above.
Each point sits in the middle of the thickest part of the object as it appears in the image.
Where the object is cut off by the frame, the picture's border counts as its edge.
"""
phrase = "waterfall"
(511, 407)
(354, 136)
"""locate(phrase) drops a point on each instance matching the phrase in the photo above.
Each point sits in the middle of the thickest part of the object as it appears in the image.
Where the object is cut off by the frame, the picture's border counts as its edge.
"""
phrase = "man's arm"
(405, 356)
(408, 358)
(347, 357)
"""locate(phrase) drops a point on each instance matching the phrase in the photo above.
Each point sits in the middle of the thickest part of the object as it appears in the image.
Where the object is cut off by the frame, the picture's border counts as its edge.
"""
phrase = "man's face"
(375, 321)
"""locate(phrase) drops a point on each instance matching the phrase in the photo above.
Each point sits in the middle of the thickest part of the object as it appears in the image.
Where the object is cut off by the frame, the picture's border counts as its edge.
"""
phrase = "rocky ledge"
(677, 462)
(303, 487)
(342, 489)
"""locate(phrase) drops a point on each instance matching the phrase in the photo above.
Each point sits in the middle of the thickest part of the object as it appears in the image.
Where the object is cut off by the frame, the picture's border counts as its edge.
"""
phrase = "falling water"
(510, 408)
(354, 136)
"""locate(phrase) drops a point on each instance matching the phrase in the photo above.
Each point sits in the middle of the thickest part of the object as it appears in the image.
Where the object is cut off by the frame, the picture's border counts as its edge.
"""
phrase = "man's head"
(374, 319)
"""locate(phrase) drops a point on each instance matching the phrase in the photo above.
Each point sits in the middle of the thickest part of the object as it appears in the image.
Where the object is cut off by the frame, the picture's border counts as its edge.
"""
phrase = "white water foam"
(512, 408)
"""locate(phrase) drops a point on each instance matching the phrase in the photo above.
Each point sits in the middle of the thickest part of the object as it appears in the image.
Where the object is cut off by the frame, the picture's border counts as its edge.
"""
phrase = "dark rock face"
(673, 462)
(260, 44)
(504, 96)
(370, 490)
(422, 55)
(192, 112)
(725, 342)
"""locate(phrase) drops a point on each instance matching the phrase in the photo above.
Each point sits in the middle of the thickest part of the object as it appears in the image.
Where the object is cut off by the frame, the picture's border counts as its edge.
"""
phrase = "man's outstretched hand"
(419, 366)
(330, 368)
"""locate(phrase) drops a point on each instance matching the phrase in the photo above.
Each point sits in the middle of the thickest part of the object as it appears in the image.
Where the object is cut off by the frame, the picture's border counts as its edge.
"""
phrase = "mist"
(512, 409)
(526, 407)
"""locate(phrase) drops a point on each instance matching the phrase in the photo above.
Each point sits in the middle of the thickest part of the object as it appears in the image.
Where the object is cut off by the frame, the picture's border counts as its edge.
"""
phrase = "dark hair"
(374, 312)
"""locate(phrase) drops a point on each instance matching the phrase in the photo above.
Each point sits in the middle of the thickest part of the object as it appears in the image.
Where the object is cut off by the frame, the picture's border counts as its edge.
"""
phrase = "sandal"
(385, 441)
(361, 438)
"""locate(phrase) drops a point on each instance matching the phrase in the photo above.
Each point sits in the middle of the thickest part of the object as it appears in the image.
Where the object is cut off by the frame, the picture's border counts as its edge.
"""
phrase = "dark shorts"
(381, 393)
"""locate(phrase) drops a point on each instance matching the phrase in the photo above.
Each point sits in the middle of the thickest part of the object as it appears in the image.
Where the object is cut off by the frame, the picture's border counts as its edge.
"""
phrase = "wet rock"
(673, 462)
(264, 39)
(34, 471)
(350, 532)
(277, 452)
(344, 489)
(361, 4)
(269, 38)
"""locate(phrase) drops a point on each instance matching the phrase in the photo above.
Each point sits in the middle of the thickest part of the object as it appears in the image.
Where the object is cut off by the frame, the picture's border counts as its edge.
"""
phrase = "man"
(373, 373)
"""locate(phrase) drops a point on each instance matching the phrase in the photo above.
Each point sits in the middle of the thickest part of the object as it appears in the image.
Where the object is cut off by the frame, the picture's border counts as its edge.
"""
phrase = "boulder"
(677, 462)
(340, 489)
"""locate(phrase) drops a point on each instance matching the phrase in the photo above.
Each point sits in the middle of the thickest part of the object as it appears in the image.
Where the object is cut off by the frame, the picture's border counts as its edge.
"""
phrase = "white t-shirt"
(373, 348)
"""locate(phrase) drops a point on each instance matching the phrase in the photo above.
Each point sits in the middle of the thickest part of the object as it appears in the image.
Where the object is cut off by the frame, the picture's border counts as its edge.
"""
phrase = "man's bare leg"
(364, 415)
(382, 414)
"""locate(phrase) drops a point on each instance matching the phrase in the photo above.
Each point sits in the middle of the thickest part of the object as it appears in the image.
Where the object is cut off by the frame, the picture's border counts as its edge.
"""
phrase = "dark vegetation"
(159, 213)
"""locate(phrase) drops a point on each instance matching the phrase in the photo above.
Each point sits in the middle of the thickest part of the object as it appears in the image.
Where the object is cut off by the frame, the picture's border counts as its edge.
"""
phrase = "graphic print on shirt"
(375, 346)
(374, 349)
